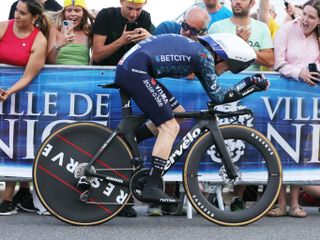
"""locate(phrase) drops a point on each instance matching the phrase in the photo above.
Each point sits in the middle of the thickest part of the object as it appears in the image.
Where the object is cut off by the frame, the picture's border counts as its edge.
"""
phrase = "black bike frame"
(206, 121)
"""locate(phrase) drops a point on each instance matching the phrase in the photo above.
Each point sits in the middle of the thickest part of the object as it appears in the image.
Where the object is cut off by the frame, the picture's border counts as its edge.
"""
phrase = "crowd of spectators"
(45, 32)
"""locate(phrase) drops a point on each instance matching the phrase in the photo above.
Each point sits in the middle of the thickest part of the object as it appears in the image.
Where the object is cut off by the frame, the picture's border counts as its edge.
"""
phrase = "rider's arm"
(218, 95)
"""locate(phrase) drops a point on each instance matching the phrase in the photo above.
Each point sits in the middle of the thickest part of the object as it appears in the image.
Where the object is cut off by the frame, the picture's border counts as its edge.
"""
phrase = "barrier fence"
(288, 114)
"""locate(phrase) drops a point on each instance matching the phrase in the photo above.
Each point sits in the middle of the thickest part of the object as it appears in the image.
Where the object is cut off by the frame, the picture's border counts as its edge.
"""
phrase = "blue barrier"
(287, 114)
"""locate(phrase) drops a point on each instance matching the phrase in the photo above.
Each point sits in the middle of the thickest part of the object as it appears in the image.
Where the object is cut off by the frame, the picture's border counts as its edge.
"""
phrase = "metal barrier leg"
(219, 197)
(184, 200)
(189, 209)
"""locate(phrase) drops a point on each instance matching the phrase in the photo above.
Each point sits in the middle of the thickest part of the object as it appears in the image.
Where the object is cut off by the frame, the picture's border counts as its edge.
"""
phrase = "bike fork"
(222, 150)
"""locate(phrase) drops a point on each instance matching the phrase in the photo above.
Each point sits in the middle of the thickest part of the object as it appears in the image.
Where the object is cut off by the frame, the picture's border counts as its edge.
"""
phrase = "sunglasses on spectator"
(185, 26)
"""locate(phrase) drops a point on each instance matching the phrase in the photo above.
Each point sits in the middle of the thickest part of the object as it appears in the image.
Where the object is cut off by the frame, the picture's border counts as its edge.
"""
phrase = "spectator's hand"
(125, 37)
(134, 36)
(139, 34)
(65, 38)
(3, 95)
(290, 9)
(310, 78)
(244, 32)
(293, 11)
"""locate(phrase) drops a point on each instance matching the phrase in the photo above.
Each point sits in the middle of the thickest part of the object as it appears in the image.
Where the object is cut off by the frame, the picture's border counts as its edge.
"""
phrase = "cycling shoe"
(156, 195)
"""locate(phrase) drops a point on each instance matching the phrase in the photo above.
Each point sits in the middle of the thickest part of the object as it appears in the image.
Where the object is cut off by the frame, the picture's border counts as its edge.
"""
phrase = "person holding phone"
(70, 38)
(292, 59)
(116, 30)
(296, 45)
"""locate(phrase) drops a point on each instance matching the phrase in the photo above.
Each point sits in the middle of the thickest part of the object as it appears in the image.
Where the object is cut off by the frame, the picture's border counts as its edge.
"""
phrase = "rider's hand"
(260, 81)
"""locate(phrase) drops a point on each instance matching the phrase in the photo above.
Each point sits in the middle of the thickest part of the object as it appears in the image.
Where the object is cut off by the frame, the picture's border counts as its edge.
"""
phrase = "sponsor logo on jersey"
(173, 58)
(137, 71)
(156, 91)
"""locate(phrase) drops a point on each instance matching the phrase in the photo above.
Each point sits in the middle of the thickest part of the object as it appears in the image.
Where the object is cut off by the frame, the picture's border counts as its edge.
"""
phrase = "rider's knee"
(170, 128)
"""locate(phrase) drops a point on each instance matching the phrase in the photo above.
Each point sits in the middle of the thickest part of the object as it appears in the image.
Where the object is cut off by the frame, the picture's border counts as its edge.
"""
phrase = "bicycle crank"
(137, 182)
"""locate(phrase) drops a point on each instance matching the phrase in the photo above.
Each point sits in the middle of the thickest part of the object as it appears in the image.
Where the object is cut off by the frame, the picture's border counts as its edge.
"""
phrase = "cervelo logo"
(187, 140)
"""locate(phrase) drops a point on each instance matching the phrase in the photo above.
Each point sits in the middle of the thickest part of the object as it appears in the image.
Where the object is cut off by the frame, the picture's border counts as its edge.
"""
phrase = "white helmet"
(232, 49)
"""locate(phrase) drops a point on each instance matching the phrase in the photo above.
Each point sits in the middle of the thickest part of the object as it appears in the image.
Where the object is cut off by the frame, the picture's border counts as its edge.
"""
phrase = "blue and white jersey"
(175, 56)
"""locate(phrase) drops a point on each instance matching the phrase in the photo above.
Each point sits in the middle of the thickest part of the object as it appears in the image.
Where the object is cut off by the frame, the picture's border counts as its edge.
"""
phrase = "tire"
(250, 150)
(60, 160)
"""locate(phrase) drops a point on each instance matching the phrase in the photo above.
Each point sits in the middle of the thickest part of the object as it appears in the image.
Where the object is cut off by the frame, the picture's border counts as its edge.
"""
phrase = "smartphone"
(312, 67)
(131, 26)
(67, 25)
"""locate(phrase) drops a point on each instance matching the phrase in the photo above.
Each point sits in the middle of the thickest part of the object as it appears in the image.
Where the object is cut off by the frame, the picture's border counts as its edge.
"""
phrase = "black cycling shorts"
(152, 97)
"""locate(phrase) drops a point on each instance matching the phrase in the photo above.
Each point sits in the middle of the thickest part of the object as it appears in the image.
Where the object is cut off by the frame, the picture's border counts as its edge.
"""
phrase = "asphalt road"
(32, 226)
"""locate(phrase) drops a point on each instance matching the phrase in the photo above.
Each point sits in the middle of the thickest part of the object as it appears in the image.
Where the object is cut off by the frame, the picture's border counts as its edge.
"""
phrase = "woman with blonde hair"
(70, 37)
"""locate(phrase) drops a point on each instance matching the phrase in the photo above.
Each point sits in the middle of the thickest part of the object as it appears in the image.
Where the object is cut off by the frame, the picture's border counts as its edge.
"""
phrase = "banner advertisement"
(287, 114)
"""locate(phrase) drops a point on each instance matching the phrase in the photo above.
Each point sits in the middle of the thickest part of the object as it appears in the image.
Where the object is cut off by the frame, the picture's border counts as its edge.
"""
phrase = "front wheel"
(60, 163)
(251, 195)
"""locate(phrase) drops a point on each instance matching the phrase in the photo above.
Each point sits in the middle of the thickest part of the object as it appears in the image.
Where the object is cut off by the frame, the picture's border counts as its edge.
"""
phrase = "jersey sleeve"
(208, 80)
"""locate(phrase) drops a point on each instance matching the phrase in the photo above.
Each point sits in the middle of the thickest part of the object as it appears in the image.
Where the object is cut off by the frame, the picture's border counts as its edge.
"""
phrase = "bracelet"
(56, 48)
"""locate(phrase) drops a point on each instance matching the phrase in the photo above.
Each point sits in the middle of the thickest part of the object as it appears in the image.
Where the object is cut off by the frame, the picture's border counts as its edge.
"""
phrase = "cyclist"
(171, 55)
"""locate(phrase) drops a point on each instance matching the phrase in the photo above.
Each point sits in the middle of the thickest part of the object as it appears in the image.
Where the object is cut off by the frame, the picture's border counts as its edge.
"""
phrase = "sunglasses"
(193, 31)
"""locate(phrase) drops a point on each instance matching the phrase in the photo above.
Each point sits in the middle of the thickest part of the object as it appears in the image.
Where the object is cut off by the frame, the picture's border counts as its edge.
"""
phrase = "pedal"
(83, 184)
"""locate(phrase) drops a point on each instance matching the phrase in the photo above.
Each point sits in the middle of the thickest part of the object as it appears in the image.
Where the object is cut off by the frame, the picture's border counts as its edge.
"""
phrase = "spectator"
(216, 11)
(291, 60)
(130, 24)
(195, 23)
(252, 31)
(22, 43)
(71, 45)
(267, 14)
(49, 5)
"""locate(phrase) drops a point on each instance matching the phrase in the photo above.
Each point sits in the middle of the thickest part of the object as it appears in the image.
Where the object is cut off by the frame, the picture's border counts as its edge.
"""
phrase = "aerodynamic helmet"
(232, 49)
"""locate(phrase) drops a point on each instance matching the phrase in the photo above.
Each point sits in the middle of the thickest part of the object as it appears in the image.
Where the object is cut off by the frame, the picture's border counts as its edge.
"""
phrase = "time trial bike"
(84, 173)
